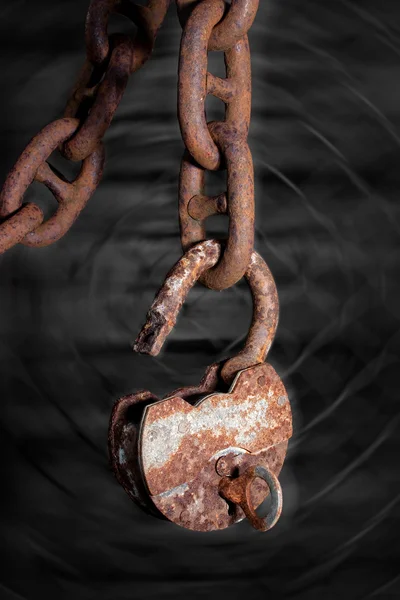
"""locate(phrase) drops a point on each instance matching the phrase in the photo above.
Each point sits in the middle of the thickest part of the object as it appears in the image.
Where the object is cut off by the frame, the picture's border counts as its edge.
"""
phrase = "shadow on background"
(325, 140)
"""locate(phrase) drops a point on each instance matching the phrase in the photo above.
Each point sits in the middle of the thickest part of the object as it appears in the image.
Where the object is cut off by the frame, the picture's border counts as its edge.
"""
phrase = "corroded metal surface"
(193, 83)
(239, 491)
(213, 145)
(35, 154)
(123, 438)
(104, 102)
(240, 208)
(207, 455)
(88, 114)
(201, 207)
(164, 311)
(148, 18)
(178, 464)
(15, 227)
(235, 24)
(72, 197)
(178, 439)
(199, 505)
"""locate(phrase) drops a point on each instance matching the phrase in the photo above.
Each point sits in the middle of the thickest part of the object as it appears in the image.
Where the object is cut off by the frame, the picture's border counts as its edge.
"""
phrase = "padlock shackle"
(164, 311)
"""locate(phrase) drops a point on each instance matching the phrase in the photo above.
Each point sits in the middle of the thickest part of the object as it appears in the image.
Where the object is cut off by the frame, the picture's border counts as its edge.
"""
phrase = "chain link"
(88, 113)
(211, 146)
(207, 25)
(237, 21)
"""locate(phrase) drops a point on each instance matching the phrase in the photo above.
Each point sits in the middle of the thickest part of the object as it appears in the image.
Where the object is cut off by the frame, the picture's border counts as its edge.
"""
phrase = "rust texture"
(72, 197)
(104, 102)
(235, 24)
(148, 19)
(89, 112)
(123, 438)
(15, 227)
(36, 153)
(213, 145)
(202, 474)
(199, 505)
(238, 491)
(206, 455)
(201, 207)
(164, 311)
(178, 439)
(193, 83)
(240, 208)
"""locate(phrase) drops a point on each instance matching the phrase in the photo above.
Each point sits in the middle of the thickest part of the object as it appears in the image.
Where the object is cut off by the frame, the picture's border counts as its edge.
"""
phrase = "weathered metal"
(99, 111)
(13, 230)
(200, 207)
(89, 111)
(206, 455)
(237, 21)
(240, 208)
(192, 83)
(195, 83)
(209, 146)
(148, 19)
(72, 197)
(164, 311)
(186, 451)
(238, 490)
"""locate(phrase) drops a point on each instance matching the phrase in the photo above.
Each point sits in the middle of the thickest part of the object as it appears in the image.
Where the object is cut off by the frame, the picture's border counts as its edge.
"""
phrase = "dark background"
(325, 137)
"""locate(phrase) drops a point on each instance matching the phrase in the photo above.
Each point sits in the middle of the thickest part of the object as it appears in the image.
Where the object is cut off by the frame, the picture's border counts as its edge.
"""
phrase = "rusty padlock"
(206, 456)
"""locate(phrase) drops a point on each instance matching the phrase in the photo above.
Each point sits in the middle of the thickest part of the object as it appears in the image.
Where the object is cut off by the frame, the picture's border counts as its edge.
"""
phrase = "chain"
(110, 60)
(89, 111)
(210, 146)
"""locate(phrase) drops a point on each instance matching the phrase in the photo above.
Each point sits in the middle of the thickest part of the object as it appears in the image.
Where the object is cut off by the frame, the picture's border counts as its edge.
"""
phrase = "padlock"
(206, 456)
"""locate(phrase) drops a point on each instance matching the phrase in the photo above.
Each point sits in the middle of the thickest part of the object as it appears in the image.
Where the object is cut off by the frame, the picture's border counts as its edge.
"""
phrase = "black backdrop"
(325, 137)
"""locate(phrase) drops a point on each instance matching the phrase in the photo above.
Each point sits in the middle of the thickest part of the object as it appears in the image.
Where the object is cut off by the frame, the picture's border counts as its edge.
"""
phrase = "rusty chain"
(226, 440)
(207, 25)
(88, 113)
(213, 145)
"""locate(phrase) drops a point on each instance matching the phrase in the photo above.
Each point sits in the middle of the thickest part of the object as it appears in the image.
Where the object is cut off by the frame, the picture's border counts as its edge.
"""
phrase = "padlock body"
(182, 450)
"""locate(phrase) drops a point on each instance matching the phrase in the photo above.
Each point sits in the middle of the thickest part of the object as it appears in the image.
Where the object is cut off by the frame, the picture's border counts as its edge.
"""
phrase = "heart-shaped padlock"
(206, 456)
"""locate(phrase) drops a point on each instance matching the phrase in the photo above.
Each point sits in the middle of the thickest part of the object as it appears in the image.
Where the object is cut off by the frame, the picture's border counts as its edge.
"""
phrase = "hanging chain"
(212, 25)
(89, 112)
(207, 25)
(223, 440)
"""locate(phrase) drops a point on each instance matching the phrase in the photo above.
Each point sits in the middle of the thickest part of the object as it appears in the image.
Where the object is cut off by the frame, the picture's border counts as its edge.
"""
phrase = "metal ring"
(238, 491)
